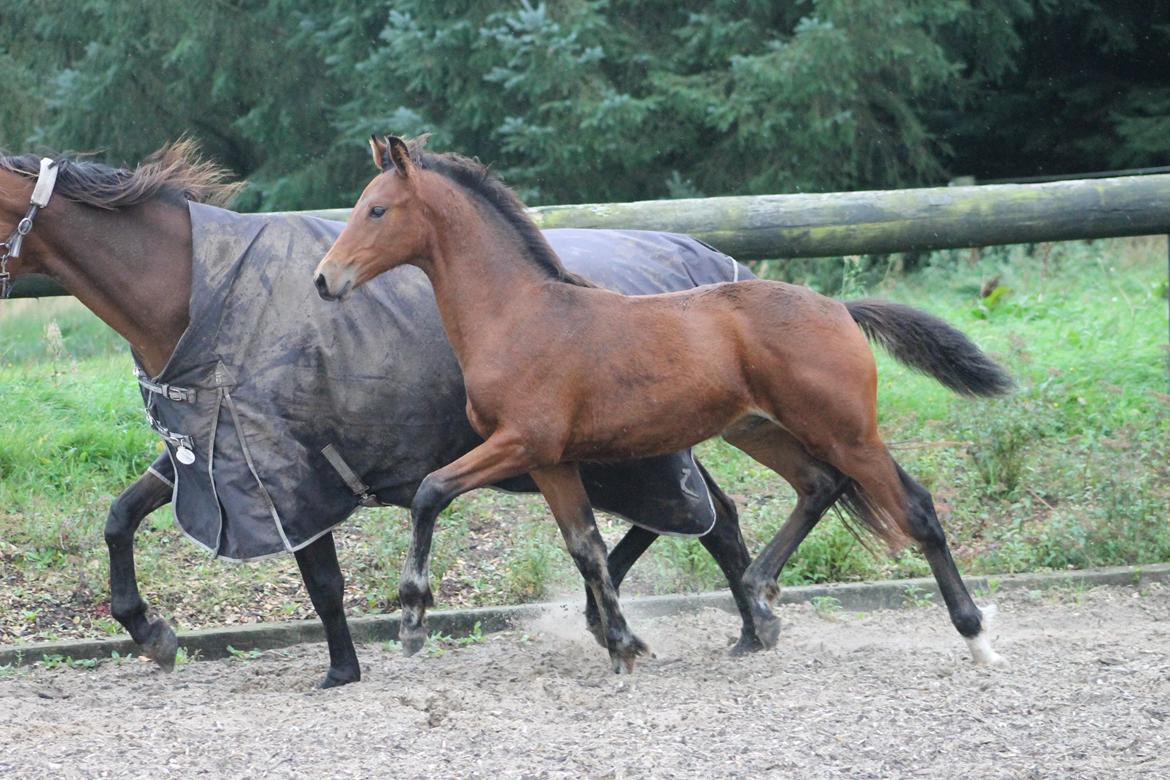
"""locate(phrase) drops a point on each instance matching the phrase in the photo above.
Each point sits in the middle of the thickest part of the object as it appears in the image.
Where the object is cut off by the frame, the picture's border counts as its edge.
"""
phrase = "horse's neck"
(483, 284)
(132, 268)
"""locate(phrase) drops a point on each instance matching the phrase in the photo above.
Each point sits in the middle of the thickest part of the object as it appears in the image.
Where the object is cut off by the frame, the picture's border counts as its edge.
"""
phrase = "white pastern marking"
(980, 644)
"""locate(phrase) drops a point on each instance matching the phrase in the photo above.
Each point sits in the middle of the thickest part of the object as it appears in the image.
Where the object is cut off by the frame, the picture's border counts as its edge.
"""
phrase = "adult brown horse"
(123, 242)
(559, 373)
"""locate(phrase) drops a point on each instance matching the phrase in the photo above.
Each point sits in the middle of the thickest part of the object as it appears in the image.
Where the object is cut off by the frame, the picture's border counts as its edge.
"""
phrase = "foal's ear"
(381, 153)
(401, 156)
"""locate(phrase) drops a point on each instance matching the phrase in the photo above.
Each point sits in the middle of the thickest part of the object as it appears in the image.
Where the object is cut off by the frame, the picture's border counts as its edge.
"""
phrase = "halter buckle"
(10, 248)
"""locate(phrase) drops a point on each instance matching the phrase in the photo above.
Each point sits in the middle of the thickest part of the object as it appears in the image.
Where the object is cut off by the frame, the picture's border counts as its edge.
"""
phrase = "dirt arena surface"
(1085, 694)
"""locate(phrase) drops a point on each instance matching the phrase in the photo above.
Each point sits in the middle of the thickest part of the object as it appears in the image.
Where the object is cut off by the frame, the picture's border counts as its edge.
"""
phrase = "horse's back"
(710, 350)
(643, 262)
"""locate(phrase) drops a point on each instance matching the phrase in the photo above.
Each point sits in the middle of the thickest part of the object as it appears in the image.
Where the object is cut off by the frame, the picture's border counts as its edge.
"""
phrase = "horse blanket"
(282, 412)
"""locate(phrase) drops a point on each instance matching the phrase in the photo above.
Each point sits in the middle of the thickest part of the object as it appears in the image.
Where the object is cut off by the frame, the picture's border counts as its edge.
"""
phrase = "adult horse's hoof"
(337, 677)
(161, 645)
(412, 640)
(625, 651)
(748, 643)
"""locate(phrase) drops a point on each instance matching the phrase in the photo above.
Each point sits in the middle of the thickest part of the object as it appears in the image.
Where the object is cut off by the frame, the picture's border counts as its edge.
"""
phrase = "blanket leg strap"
(352, 480)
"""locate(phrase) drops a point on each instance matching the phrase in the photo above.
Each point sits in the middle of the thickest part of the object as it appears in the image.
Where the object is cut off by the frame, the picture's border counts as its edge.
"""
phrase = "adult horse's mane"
(474, 176)
(175, 171)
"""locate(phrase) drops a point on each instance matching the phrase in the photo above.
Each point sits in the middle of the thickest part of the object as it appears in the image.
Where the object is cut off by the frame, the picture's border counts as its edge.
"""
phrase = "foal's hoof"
(767, 631)
(770, 593)
(161, 646)
(762, 591)
(337, 677)
(981, 651)
(412, 640)
(625, 652)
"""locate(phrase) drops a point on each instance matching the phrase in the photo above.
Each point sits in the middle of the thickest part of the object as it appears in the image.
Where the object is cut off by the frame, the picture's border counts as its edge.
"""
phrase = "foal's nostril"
(322, 287)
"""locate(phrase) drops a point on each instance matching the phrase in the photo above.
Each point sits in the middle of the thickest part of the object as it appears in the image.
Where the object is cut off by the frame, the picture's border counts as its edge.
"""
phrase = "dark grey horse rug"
(281, 412)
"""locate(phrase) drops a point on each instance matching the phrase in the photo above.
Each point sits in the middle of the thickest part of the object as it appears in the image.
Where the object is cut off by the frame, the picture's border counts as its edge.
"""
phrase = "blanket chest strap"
(170, 392)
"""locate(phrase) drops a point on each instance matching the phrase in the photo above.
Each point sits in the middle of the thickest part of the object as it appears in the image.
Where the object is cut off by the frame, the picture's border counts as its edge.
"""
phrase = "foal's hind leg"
(817, 487)
(725, 543)
(924, 526)
(151, 491)
(893, 497)
(562, 489)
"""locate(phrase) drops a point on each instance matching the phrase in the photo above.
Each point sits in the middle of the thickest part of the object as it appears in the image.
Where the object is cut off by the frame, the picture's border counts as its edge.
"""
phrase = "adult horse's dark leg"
(151, 491)
(562, 489)
(326, 585)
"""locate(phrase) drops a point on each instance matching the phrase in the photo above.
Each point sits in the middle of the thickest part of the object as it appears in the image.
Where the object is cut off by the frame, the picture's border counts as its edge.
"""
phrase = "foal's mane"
(474, 176)
(174, 172)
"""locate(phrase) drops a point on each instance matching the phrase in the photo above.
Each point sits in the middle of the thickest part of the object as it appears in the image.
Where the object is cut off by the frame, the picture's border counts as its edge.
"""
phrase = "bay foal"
(559, 372)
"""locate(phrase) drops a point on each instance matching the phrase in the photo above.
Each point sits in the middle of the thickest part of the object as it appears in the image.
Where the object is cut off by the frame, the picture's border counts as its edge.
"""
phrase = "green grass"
(1070, 471)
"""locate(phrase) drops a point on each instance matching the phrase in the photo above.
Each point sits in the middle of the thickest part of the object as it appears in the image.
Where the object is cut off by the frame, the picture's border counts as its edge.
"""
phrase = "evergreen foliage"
(598, 100)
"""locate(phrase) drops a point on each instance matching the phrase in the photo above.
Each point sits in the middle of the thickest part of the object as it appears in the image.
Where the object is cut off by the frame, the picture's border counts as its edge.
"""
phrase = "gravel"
(1085, 694)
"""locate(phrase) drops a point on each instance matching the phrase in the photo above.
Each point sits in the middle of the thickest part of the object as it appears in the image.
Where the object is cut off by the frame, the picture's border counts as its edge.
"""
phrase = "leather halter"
(10, 249)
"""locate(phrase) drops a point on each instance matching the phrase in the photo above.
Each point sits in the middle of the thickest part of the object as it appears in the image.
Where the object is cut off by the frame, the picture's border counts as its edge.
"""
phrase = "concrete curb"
(891, 594)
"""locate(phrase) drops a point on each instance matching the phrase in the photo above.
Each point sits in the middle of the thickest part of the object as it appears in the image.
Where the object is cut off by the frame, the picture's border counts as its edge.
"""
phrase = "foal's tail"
(927, 344)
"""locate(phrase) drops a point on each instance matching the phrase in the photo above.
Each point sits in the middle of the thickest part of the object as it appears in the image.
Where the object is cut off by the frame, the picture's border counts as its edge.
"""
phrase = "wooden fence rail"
(848, 223)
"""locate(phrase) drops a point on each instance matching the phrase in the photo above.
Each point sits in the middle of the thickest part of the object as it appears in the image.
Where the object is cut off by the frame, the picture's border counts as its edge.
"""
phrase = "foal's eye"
(377, 211)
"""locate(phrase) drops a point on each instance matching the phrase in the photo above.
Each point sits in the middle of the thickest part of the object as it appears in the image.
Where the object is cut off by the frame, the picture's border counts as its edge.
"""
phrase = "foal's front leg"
(500, 457)
(562, 488)
(623, 556)
(149, 492)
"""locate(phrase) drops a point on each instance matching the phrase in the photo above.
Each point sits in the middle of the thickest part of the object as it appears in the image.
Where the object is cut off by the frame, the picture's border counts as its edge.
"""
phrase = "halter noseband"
(10, 249)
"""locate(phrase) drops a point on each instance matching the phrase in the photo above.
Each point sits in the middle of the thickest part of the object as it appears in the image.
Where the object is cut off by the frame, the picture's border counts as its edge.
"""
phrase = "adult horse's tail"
(927, 344)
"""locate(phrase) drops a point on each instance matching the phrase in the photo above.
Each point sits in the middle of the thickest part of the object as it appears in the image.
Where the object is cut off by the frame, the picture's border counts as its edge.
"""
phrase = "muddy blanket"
(268, 375)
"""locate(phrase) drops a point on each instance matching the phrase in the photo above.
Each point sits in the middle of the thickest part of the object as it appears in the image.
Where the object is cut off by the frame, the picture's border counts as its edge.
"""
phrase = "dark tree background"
(597, 100)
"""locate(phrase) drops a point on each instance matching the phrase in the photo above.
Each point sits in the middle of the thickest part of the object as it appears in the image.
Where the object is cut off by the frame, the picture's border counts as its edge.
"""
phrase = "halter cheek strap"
(42, 194)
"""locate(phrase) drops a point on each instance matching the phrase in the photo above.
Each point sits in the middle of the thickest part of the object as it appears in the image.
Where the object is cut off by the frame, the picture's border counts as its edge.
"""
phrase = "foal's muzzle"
(322, 285)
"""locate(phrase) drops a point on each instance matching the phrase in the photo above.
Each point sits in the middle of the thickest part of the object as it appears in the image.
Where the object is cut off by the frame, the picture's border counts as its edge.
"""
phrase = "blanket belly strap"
(352, 480)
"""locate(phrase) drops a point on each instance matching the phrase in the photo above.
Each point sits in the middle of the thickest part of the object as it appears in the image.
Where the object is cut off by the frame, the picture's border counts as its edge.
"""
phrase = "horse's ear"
(401, 156)
(381, 153)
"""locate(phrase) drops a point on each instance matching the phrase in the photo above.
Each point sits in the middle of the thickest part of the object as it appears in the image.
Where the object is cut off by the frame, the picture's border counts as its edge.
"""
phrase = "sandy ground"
(1086, 694)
